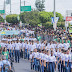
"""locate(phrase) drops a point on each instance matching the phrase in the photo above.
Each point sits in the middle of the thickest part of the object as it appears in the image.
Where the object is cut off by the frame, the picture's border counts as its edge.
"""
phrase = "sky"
(61, 5)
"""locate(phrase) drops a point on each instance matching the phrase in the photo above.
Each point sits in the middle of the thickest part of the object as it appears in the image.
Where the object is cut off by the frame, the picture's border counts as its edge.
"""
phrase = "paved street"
(23, 66)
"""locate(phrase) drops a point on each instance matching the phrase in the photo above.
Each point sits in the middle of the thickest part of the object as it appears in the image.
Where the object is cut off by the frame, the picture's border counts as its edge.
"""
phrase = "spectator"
(6, 53)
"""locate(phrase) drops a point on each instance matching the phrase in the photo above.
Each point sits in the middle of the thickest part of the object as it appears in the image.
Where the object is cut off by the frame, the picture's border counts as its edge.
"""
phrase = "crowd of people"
(46, 49)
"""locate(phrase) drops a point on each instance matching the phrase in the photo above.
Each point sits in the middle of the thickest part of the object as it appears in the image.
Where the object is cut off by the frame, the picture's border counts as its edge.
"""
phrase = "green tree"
(60, 16)
(45, 16)
(1, 19)
(12, 19)
(31, 18)
(40, 5)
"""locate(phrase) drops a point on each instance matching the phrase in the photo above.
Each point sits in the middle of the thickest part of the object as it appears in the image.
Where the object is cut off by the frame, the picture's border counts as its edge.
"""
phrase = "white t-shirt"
(9, 46)
(59, 54)
(17, 47)
(47, 58)
(52, 59)
(66, 57)
(20, 44)
(43, 57)
(23, 45)
(55, 53)
(62, 56)
(30, 46)
(69, 57)
(33, 47)
(66, 45)
(30, 56)
(13, 46)
(6, 45)
(26, 46)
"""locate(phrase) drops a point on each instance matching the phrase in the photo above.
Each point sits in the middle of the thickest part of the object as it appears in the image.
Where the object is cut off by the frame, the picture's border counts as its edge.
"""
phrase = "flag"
(18, 17)
(52, 19)
(56, 19)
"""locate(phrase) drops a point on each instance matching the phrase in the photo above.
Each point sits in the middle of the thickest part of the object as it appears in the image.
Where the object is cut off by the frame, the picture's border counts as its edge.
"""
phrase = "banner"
(15, 32)
(66, 23)
(56, 19)
(68, 18)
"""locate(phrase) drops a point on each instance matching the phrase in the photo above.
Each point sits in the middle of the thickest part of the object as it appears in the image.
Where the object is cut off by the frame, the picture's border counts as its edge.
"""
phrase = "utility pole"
(24, 3)
(20, 6)
(20, 13)
(5, 10)
(10, 6)
(54, 25)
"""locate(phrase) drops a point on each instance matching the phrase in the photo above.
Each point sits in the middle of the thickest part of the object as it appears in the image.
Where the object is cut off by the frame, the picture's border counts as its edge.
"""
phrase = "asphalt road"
(23, 66)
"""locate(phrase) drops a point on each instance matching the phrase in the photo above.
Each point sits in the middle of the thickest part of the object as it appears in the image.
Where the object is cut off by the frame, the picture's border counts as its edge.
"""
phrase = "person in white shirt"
(55, 52)
(62, 60)
(6, 45)
(13, 48)
(59, 59)
(10, 49)
(33, 46)
(34, 57)
(38, 58)
(66, 45)
(69, 61)
(43, 60)
(26, 49)
(23, 47)
(17, 52)
(21, 52)
(52, 62)
(31, 60)
(66, 61)
(47, 62)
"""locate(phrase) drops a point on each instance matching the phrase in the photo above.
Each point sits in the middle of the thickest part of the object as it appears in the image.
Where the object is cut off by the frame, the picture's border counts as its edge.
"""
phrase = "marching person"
(10, 49)
(52, 62)
(66, 61)
(23, 46)
(29, 48)
(26, 49)
(62, 60)
(47, 62)
(31, 60)
(70, 61)
(20, 45)
(59, 59)
(13, 48)
(43, 60)
(17, 52)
